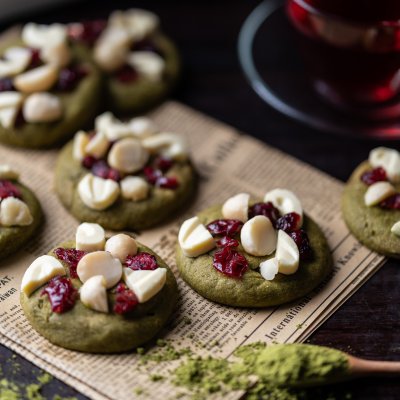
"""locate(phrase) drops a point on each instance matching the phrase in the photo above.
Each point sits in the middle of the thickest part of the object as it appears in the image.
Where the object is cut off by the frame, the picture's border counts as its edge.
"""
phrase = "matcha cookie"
(20, 212)
(99, 296)
(371, 202)
(253, 254)
(124, 175)
(139, 62)
(46, 92)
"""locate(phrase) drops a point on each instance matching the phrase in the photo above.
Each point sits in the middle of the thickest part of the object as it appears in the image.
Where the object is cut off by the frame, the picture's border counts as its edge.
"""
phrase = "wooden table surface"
(368, 324)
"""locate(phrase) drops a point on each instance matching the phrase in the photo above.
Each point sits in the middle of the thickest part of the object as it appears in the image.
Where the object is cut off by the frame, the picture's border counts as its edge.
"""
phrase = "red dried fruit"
(68, 78)
(392, 202)
(8, 189)
(373, 176)
(87, 31)
(225, 227)
(163, 164)
(141, 261)
(35, 59)
(266, 209)
(61, 293)
(88, 162)
(300, 237)
(289, 222)
(126, 74)
(71, 257)
(6, 85)
(227, 241)
(151, 174)
(230, 262)
(167, 182)
(125, 300)
(103, 170)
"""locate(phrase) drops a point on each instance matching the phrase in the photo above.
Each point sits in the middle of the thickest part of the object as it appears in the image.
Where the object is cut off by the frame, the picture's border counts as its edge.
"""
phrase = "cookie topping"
(42, 107)
(7, 172)
(230, 262)
(388, 159)
(8, 189)
(227, 241)
(93, 294)
(125, 300)
(289, 222)
(14, 212)
(266, 209)
(396, 228)
(225, 227)
(134, 188)
(101, 169)
(86, 32)
(70, 257)
(90, 237)
(121, 246)
(287, 254)
(61, 293)
(300, 237)
(69, 78)
(378, 192)
(236, 207)
(392, 202)
(141, 261)
(269, 268)
(376, 175)
(285, 201)
(167, 182)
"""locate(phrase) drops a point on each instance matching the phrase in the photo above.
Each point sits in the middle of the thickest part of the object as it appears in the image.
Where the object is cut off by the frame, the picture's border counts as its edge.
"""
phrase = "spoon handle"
(361, 367)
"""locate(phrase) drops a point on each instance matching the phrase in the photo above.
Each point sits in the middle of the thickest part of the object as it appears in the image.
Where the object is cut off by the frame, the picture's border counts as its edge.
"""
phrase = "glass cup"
(351, 48)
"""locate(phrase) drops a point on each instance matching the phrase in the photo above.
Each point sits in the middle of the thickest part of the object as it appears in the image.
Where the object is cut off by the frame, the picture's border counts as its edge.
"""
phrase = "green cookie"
(80, 107)
(90, 331)
(14, 237)
(123, 214)
(370, 225)
(252, 290)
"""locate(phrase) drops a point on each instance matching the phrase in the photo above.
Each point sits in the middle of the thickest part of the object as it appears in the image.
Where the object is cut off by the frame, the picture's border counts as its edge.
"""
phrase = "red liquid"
(351, 47)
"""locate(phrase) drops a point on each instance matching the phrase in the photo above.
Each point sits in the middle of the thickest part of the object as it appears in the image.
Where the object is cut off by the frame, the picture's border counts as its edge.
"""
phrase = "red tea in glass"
(351, 48)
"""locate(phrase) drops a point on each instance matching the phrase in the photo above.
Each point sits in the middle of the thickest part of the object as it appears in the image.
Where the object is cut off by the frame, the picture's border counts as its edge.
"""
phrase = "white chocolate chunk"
(100, 263)
(285, 201)
(38, 36)
(81, 140)
(90, 237)
(269, 268)
(134, 188)
(237, 207)
(14, 61)
(169, 145)
(396, 228)
(145, 284)
(258, 236)
(143, 127)
(128, 155)
(10, 99)
(148, 64)
(14, 212)
(111, 48)
(93, 294)
(98, 193)
(7, 172)
(42, 107)
(137, 22)
(287, 254)
(388, 159)
(194, 238)
(98, 145)
(112, 127)
(41, 271)
(38, 79)
(58, 54)
(8, 116)
(121, 246)
(378, 192)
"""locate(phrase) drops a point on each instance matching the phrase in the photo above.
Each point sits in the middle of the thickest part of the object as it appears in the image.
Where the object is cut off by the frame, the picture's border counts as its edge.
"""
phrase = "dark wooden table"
(368, 325)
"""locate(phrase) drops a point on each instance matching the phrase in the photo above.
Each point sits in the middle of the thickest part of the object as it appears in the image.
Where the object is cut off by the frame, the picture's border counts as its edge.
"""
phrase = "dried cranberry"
(227, 241)
(392, 202)
(167, 182)
(88, 162)
(69, 77)
(301, 239)
(225, 227)
(35, 59)
(141, 261)
(163, 164)
(373, 176)
(71, 257)
(8, 189)
(152, 174)
(126, 74)
(125, 300)
(230, 262)
(289, 222)
(103, 170)
(6, 85)
(266, 209)
(87, 31)
(19, 120)
(61, 293)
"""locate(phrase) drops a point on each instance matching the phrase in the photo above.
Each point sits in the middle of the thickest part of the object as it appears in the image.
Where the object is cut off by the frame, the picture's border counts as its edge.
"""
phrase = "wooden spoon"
(359, 367)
